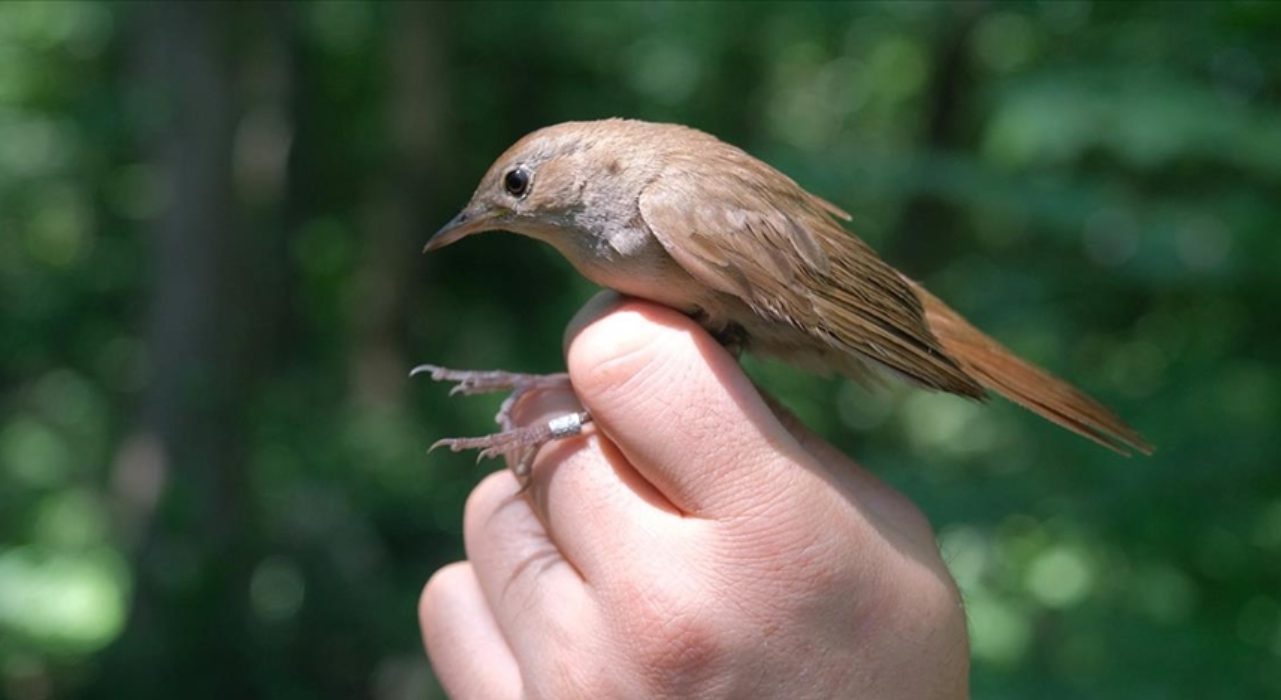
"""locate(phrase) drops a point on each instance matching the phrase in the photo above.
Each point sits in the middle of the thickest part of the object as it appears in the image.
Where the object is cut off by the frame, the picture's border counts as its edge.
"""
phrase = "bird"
(673, 215)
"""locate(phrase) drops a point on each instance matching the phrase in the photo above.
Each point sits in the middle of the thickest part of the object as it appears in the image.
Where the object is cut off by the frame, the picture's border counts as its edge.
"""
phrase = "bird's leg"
(519, 442)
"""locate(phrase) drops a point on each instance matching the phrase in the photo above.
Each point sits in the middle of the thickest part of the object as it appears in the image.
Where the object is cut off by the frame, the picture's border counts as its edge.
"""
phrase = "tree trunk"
(215, 289)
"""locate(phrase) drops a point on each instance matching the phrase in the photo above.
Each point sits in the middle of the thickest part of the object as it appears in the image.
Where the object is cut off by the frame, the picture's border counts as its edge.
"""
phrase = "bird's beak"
(470, 220)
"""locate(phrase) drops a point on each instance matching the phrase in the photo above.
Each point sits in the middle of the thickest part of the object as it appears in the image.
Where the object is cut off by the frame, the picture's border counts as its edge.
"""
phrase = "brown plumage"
(674, 215)
(1022, 382)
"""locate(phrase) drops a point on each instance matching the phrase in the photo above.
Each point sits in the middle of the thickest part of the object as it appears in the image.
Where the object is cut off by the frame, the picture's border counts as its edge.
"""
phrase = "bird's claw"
(471, 382)
(521, 443)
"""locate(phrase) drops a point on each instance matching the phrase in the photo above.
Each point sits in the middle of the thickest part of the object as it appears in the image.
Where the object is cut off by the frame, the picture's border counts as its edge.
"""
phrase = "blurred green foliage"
(213, 479)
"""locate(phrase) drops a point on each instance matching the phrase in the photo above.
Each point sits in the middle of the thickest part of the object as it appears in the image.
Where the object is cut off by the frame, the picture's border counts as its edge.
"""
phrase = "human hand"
(692, 545)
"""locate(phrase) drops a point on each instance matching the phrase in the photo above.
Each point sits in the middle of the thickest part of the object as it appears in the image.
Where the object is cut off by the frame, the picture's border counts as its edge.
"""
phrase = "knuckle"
(921, 602)
(684, 654)
(679, 640)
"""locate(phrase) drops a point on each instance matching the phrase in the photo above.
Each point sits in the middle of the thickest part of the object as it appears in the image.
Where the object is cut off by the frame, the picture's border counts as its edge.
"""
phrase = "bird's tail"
(1003, 372)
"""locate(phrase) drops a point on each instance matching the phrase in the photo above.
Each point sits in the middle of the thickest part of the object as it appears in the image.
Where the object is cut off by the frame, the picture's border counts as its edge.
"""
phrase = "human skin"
(692, 544)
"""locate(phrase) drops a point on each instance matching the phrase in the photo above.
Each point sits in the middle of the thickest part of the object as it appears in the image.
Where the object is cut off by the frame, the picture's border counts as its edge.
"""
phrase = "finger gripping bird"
(673, 215)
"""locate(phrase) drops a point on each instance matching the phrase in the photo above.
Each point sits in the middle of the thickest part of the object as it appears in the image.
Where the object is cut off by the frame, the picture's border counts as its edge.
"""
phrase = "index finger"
(681, 410)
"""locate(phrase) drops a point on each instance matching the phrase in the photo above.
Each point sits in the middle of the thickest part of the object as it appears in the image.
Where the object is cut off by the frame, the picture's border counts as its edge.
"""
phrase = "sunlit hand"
(694, 546)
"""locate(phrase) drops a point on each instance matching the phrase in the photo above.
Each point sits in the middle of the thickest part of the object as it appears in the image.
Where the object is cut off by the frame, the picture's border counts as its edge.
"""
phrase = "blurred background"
(213, 470)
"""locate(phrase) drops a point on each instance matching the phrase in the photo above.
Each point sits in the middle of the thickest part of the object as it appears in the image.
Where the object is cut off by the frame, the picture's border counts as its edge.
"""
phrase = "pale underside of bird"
(673, 215)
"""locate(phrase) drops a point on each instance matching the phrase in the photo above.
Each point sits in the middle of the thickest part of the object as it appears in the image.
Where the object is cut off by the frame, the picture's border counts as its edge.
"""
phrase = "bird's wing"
(745, 229)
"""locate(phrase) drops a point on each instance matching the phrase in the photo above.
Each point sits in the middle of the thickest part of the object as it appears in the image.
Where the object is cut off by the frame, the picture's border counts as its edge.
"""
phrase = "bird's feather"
(1023, 383)
(745, 229)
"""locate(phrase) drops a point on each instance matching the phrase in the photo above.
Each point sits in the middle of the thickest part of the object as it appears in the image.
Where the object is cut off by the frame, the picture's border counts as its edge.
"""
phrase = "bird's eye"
(516, 182)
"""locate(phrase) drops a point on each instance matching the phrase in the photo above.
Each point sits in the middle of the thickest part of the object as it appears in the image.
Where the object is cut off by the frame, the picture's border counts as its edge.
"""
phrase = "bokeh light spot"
(72, 603)
(33, 453)
(277, 589)
(1060, 577)
(999, 632)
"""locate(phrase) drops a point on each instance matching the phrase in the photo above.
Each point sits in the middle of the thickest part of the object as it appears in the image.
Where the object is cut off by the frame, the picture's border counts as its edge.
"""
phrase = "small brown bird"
(671, 214)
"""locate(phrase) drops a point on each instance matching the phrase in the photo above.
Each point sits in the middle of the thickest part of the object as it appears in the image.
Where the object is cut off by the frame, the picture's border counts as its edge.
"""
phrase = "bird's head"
(562, 181)
(534, 188)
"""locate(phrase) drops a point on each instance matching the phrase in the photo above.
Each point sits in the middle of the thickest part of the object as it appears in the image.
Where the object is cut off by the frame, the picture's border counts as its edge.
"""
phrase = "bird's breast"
(639, 266)
(634, 263)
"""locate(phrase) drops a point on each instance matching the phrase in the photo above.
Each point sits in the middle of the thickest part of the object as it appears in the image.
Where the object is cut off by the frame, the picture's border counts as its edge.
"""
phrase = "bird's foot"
(519, 443)
(471, 382)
